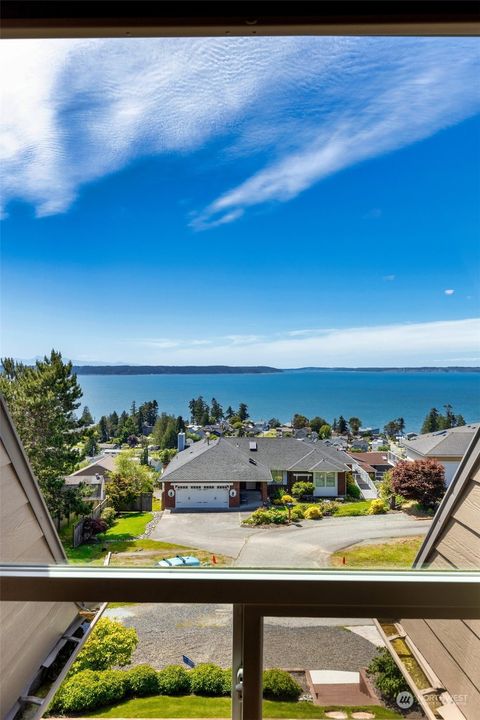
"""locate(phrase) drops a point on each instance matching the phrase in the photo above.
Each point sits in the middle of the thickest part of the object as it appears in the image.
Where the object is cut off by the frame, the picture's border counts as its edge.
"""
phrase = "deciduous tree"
(420, 480)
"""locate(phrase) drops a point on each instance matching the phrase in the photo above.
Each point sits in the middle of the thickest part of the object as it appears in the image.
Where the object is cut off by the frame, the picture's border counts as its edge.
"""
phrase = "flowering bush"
(377, 507)
(287, 499)
(313, 513)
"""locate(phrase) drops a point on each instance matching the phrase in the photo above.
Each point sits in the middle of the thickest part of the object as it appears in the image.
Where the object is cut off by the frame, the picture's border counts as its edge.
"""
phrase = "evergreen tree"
(216, 411)
(432, 422)
(334, 425)
(459, 420)
(86, 417)
(342, 425)
(42, 401)
(179, 425)
(144, 456)
(229, 413)
(112, 424)
(90, 448)
(102, 427)
(274, 423)
(243, 412)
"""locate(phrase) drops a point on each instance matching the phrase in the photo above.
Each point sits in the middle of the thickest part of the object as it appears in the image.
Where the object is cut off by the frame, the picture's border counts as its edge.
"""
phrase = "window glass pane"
(277, 476)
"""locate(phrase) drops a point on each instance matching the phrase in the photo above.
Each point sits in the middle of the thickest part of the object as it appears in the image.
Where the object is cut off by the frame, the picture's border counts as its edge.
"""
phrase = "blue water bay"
(374, 397)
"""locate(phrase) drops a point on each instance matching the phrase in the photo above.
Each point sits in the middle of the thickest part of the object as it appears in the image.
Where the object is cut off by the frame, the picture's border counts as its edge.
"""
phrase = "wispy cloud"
(389, 278)
(449, 292)
(77, 110)
(435, 343)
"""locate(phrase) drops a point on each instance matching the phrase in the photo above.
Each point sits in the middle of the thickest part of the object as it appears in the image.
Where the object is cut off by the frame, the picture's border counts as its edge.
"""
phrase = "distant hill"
(449, 369)
(246, 370)
(172, 370)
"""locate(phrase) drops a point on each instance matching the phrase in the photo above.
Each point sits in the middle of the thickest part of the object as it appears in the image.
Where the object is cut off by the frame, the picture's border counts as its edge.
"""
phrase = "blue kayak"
(180, 561)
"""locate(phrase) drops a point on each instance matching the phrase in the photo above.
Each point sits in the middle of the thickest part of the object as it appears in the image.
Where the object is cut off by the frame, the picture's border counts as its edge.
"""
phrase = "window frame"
(254, 594)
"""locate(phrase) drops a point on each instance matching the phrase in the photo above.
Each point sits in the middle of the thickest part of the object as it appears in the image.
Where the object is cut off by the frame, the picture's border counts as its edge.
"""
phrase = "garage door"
(201, 496)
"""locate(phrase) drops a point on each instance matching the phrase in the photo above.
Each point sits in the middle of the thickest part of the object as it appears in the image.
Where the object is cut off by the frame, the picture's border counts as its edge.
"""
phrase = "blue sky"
(283, 201)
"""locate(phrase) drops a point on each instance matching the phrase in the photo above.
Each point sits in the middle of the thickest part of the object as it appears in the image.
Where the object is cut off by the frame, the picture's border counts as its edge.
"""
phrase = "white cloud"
(77, 110)
(449, 292)
(428, 343)
(389, 278)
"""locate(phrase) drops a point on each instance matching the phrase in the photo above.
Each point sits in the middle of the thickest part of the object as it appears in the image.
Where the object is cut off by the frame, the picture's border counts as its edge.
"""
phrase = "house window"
(277, 476)
(325, 479)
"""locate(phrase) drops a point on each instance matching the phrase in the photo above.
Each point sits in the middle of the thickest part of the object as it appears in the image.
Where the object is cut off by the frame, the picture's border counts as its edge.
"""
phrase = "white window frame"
(255, 595)
(454, 595)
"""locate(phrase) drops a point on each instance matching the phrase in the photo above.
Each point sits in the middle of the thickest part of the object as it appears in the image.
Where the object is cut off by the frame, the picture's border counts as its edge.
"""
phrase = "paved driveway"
(305, 545)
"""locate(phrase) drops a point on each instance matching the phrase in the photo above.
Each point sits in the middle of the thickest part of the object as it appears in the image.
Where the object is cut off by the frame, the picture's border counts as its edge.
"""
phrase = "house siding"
(452, 647)
(28, 631)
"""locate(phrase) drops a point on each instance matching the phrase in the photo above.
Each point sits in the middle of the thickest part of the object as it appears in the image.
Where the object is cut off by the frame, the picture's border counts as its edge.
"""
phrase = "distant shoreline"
(247, 370)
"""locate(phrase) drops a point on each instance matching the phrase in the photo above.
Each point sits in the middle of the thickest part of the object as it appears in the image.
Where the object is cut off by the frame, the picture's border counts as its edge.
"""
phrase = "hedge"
(208, 679)
(89, 690)
(280, 685)
(173, 680)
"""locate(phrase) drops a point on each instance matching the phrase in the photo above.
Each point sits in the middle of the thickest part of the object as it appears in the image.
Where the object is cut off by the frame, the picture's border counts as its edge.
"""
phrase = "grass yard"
(398, 553)
(350, 509)
(128, 526)
(192, 706)
(136, 553)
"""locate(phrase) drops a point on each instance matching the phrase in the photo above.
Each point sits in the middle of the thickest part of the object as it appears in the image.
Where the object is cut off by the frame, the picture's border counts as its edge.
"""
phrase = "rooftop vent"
(254, 462)
(252, 445)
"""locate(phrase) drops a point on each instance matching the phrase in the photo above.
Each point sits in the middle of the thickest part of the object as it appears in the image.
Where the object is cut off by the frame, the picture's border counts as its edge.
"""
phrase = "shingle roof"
(230, 458)
(100, 466)
(371, 458)
(452, 442)
(214, 462)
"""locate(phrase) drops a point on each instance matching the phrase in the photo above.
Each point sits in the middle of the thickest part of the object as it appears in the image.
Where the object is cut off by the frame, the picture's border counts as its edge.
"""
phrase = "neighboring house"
(216, 474)
(446, 446)
(93, 476)
(447, 651)
(32, 633)
(375, 463)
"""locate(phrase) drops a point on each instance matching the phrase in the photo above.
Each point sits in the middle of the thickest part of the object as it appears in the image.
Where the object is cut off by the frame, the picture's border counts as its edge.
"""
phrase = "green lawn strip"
(352, 508)
(136, 553)
(192, 706)
(398, 553)
(128, 526)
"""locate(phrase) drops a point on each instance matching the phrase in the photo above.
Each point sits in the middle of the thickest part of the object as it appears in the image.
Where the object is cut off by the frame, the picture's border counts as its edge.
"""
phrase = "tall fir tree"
(42, 401)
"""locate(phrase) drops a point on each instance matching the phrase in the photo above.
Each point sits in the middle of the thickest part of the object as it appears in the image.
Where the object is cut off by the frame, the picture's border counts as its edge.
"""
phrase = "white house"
(446, 446)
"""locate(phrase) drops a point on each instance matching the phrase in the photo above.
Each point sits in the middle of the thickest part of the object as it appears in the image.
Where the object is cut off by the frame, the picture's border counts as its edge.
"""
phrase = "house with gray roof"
(222, 473)
(446, 446)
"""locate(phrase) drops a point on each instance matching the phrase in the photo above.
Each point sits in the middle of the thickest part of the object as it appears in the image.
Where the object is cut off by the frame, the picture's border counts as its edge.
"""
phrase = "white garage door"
(201, 496)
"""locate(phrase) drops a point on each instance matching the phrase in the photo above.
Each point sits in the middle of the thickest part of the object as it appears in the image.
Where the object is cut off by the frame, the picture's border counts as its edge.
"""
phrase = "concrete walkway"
(307, 544)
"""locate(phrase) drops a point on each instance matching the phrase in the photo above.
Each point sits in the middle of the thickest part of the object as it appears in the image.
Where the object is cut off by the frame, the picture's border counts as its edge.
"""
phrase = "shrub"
(313, 513)
(141, 680)
(279, 685)
(328, 507)
(300, 489)
(174, 680)
(89, 690)
(386, 492)
(261, 516)
(207, 679)
(287, 499)
(110, 643)
(420, 480)
(386, 675)
(227, 681)
(108, 516)
(92, 527)
(297, 513)
(377, 507)
(353, 490)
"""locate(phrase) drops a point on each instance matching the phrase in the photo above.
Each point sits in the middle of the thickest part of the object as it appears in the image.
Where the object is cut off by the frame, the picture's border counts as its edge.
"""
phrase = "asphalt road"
(306, 545)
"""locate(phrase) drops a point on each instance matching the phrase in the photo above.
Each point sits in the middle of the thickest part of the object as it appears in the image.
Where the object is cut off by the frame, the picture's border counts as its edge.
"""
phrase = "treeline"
(203, 414)
(172, 370)
(435, 420)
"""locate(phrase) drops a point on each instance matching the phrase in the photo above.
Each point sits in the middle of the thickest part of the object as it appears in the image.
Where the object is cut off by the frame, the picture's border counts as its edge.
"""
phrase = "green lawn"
(353, 508)
(398, 553)
(128, 526)
(192, 706)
